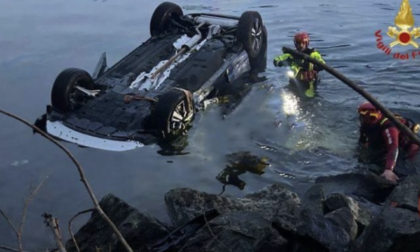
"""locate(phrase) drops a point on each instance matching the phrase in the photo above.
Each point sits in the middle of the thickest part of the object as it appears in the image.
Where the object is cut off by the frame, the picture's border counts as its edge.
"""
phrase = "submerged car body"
(154, 91)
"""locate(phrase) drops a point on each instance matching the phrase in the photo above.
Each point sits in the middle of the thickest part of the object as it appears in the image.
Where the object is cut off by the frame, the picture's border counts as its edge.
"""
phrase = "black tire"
(173, 101)
(259, 63)
(161, 17)
(64, 96)
(250, 32)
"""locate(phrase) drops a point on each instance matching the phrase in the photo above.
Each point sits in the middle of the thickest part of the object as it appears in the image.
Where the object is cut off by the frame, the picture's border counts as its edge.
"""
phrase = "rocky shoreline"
(370, 215)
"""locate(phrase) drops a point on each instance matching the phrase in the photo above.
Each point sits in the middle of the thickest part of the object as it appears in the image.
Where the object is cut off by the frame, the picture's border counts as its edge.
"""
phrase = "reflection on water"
(173, 147)
(290, 103)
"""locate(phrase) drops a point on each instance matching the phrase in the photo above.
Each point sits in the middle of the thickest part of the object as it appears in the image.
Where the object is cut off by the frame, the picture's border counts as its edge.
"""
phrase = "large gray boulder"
(397, 227)
(365, 185)
(406, 193)
(310, 230)
(322, 231)
(139, 230)
(314, 199)
(236, 231)
(337, 201)
(273, 202)
(394, 230)
(344, 218)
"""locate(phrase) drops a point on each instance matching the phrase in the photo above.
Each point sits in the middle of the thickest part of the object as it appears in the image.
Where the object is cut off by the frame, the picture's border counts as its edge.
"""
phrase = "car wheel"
(259, 63)
(250, 32)
(161, 17)
(64, 95)
(173, 113)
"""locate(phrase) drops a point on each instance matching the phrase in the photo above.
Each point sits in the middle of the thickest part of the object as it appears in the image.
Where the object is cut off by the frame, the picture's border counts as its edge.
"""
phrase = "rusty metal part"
(184, 49)
(188, 94)
(168, 63)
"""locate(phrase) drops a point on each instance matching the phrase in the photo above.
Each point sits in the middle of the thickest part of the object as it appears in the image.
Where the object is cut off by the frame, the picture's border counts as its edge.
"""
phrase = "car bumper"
(58, 130)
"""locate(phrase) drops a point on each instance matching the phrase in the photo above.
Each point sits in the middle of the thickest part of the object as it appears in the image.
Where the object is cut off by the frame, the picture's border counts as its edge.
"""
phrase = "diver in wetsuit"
(379, 133)
(305, 74)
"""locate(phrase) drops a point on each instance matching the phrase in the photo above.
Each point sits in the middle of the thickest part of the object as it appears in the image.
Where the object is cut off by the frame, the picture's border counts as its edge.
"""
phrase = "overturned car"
(154, 91)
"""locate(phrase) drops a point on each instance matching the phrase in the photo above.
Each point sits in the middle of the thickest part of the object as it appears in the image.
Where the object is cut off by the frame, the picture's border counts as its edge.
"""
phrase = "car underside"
(155, 90)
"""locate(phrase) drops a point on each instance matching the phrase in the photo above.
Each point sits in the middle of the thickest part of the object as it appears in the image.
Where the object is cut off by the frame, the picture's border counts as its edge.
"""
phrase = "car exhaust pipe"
(194, 40)
(184, 48)
(212, 20)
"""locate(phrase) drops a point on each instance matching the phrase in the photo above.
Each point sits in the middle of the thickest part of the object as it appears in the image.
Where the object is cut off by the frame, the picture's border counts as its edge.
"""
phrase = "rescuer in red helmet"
(304, 72)
(379, 133)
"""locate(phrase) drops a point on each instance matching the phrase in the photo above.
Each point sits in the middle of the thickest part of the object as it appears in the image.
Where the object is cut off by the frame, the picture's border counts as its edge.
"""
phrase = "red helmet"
(301, 38)
(369, 113)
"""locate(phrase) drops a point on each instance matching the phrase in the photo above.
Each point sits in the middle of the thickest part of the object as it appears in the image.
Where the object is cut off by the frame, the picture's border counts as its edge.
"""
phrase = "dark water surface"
(38, 39)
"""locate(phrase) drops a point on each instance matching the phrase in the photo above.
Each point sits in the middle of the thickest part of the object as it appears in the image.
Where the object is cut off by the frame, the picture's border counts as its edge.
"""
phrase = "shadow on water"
(174, 147)
(41, 123)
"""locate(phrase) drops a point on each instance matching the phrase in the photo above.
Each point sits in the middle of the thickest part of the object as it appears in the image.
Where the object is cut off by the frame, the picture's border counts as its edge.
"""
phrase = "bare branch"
(53, 224)
(71, 231)
(208, 226)
(82, 178)
(28, 201)
(212, 234)
(17, 233)
(9, 221)
(9, 248)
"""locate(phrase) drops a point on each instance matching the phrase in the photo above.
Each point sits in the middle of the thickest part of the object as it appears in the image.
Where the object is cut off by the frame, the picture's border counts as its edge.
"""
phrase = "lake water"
(38, 39)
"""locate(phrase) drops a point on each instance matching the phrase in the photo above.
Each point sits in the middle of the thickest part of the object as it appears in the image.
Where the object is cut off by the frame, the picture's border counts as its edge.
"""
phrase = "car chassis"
(154, 91)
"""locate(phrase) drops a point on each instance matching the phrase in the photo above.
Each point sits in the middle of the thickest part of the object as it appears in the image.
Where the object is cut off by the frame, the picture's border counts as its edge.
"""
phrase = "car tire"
(259, 63)
(250, 32)
(161, 17)
(173, 113)
(64, 88)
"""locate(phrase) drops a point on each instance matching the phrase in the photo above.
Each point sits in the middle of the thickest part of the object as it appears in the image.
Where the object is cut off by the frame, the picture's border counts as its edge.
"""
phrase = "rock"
(337, 200)
(178, 237)
(363, 219)
(277, 204)
(138, 229)
(321, 230)
(394, 230)
(272, 202)
(236, 231)
(273, 242)
(344, 218)
(314, 199)
(406, 193)
(367, 185)
(310, 230)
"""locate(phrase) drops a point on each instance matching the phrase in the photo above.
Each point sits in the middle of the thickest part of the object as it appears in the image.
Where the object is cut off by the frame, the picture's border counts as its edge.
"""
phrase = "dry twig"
(212, 234)
(52, 222)
(10, 223)
(18, 232)
(71, 231)
(9, 249)
(82, 178)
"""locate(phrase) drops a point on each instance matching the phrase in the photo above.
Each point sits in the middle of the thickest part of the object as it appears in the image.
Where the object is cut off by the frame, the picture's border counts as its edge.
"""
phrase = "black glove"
(277, 63)
(282, 63)
(304, 64)
(318, 68)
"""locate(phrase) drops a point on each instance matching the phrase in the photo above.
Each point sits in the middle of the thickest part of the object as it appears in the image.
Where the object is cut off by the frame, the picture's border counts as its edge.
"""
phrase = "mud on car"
(154, 91)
